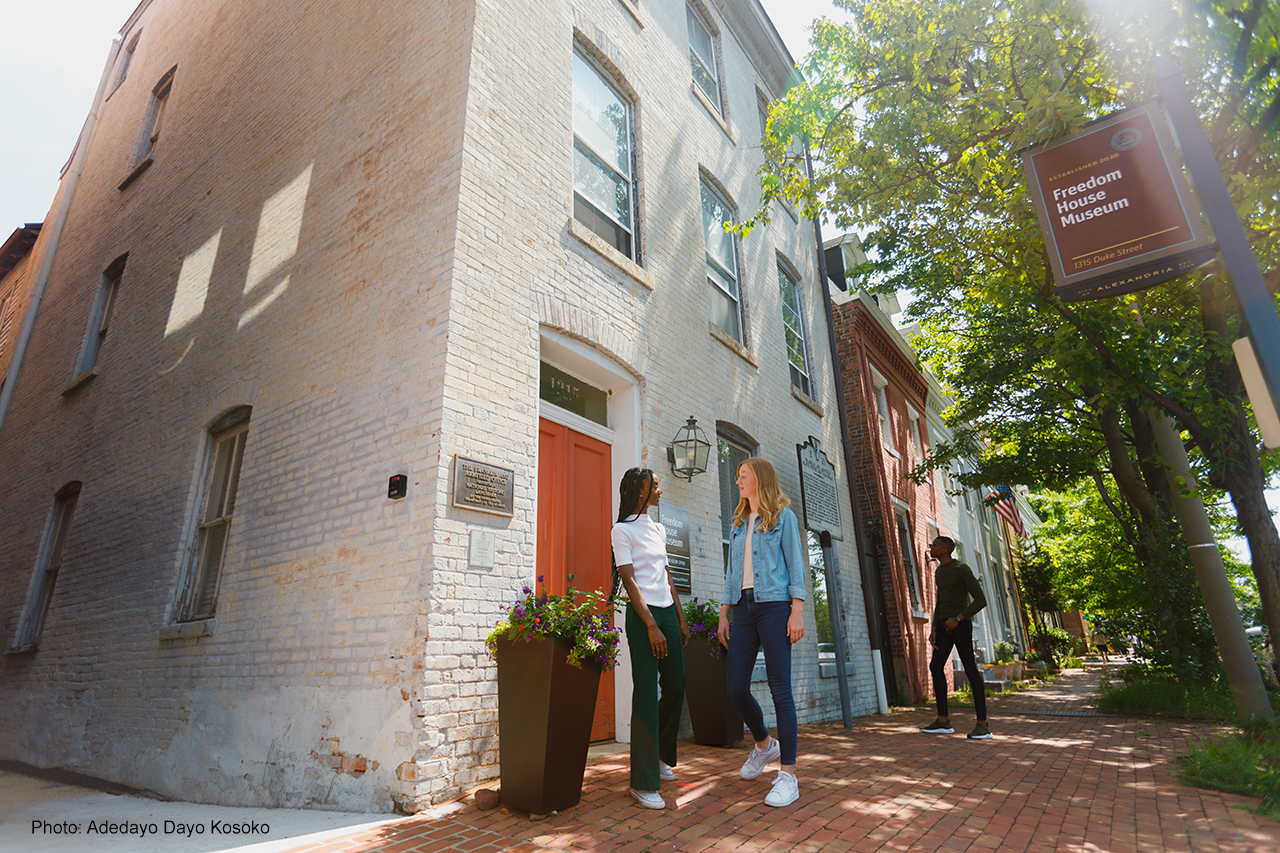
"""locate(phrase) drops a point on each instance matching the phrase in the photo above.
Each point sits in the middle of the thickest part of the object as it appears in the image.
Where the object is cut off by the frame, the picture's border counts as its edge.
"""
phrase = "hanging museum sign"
(1114, 206)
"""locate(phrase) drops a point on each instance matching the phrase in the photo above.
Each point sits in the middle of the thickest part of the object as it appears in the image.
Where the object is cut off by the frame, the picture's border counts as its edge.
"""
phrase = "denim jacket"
(777, 562)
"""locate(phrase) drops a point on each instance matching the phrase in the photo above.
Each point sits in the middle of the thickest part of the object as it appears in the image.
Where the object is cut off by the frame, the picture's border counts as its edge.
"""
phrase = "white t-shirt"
(642, 542)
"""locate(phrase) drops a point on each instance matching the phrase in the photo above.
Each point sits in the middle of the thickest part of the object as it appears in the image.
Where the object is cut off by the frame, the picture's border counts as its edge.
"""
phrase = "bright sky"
(54, 58)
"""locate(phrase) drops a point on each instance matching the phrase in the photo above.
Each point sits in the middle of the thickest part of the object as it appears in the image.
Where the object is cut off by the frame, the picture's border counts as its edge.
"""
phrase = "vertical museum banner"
(1114, 206)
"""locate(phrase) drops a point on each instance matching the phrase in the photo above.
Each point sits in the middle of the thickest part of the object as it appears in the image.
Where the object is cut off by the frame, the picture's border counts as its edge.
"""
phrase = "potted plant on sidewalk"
(715, 721)
(550, 651)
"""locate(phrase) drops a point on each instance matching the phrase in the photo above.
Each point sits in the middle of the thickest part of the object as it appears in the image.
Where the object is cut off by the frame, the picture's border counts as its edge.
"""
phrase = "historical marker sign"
(818, 495)
(1114, 206)
(676, 521)
(483, 487)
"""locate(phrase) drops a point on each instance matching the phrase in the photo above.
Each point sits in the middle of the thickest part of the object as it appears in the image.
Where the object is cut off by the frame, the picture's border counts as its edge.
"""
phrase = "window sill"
(712, 111)
(632, 10)
(29, 648)
(895, 454)
(188, 630)
(788, 210)
(137, 170)
(738, 349)
(79, 381)
(919, 614)
(808, 402)
(633, 270)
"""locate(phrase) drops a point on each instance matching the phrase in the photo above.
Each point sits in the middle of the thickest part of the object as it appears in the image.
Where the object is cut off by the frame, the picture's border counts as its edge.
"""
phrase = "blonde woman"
(764, 588)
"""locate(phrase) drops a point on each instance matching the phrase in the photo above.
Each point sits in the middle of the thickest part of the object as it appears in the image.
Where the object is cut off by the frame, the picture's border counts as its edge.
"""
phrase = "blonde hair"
(772, 498)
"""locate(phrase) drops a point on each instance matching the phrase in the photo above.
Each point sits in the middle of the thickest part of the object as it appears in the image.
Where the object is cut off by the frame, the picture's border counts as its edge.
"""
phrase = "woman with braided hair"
(656, 635)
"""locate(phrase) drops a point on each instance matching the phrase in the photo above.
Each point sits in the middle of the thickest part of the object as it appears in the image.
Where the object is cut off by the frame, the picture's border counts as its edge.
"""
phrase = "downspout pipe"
(55, 235)
(859, 534)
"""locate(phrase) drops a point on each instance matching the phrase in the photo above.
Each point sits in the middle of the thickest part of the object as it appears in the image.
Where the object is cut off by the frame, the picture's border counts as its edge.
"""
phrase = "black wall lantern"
(689, 451)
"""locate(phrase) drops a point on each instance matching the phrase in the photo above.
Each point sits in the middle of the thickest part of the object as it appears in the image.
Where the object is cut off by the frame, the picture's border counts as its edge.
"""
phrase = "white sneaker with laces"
(649, 799)
(665, 773)
(756, 761)
(786, 790)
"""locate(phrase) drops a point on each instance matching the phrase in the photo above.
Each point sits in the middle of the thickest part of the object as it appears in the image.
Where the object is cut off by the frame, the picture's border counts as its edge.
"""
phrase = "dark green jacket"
(956, 586)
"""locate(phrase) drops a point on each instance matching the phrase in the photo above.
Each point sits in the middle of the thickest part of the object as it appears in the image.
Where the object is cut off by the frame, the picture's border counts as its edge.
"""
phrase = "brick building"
(895, 411)
(301, 248)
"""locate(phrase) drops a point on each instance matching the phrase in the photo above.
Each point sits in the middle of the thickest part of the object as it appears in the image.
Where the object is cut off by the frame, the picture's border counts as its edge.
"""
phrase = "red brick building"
(886, 395)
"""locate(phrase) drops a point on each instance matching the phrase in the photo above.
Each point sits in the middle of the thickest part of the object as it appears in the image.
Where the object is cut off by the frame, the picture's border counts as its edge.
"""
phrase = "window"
(226, 451)
(48, 564)
(917, 445)
(908, 557)
(122, 62)
(964, 490)
(153, 121)
(6, 321)
(731, 454)
(603, 199)
(794, 327)
(100, 317)
(722, 264)
(702, 57)
(882, 407)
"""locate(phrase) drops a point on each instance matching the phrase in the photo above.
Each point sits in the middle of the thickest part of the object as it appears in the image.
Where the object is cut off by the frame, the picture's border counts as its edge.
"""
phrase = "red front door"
(575, 485)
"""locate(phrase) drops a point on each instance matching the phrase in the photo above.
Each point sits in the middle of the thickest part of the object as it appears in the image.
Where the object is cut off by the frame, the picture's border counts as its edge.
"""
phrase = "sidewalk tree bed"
(1161, 693)
(1246, 762)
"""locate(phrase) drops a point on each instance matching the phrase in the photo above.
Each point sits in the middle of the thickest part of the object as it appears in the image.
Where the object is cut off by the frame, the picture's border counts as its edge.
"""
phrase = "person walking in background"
(959, 598)
(656, 636)
(764, 589)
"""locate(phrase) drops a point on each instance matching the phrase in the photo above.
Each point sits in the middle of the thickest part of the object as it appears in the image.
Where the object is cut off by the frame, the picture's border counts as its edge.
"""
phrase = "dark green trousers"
(654, 722)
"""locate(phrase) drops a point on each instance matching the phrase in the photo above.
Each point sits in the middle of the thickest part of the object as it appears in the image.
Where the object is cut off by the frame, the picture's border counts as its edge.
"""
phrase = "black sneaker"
(980, 732)
(937, 727)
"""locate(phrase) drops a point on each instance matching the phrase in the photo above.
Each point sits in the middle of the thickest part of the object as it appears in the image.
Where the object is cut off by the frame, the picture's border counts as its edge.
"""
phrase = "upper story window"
(722, 264)
(48, 564)
(221, 481)
(702, 57)
(793, 323)
(882, 407)
(104, 304)
(122, 62)
(603, 196)
(914, 417)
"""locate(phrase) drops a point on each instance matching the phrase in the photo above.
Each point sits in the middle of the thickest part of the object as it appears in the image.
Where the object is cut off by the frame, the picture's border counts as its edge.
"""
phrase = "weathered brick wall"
(421, 159)
(310, 690)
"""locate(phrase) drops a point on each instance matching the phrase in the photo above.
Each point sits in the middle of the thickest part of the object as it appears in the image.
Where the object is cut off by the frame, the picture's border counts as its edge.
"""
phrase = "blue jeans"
(756, 625)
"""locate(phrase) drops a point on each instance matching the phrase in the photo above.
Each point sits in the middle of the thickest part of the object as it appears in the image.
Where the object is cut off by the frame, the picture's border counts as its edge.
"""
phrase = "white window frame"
(882, 406)
(716, 271)
(632, 249)
(797, 330)
(902, 520)
(917, 445)
(694, 19)
(104, 303)
(48, 565)
(207, 551)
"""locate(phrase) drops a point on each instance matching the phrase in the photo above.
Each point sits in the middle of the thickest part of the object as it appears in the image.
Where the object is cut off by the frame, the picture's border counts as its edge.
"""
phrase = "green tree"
(916, 112)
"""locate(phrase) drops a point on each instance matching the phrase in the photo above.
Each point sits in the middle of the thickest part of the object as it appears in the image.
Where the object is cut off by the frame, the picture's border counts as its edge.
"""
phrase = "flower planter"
(715, 721)
(998, 671)
(1015, 670)
(545, 710)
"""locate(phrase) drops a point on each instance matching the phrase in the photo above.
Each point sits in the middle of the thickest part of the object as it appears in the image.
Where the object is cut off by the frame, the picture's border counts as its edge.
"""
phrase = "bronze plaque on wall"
(483, 487)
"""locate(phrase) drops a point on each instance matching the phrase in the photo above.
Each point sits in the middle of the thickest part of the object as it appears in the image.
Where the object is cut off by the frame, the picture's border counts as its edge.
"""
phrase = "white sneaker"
(649, 799)
(786, 790)
(754, 765)
(665, 773)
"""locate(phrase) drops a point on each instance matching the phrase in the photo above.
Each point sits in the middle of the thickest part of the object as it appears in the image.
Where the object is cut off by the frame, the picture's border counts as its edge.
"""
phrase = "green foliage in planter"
(703, 619)
(1004, 652)
(584, 620)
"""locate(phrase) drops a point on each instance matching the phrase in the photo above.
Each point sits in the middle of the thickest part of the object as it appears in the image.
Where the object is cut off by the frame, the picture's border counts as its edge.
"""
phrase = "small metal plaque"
(676, 521)
(483, 487)
(818, 496)
(482, 549)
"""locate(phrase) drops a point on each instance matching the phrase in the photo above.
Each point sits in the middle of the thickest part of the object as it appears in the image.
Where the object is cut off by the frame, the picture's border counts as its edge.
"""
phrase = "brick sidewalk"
(1057, 776)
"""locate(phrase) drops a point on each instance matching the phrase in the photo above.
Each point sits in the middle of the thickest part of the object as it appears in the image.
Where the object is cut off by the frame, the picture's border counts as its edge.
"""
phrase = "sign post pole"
(1242, 267)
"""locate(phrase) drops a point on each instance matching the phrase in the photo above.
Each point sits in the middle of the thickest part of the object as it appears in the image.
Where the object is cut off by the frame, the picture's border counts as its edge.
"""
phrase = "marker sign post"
(1114, 206)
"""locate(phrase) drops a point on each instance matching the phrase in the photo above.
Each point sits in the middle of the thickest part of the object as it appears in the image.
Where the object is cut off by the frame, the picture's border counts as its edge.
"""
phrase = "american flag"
(1008, 509)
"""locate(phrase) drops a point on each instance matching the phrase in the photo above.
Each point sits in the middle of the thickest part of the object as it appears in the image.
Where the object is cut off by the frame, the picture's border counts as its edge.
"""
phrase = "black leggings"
(962, 640)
